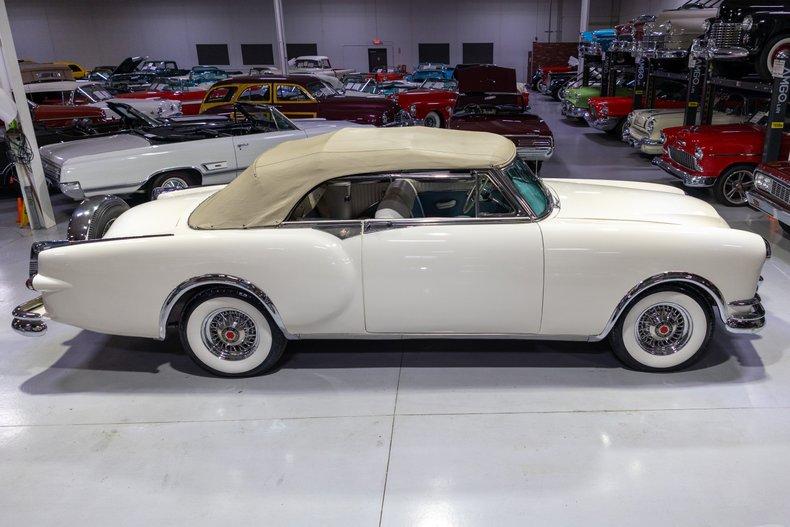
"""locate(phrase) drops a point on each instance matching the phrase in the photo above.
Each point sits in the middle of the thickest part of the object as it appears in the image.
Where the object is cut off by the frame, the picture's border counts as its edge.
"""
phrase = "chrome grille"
(683, 158)
(724, 34)
(51, 170)
(781, 190)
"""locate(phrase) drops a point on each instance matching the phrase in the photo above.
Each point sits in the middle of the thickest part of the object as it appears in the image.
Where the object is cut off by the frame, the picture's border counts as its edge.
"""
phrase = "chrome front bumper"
(569, 110)
(28, 318)
(769, 206)
(601, 123)
(746, 321)
(689, 179)
(732, 53)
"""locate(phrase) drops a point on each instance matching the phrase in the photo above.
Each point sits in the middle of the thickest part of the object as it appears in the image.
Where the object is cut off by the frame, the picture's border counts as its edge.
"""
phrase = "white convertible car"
(405, 232)
(173, 155)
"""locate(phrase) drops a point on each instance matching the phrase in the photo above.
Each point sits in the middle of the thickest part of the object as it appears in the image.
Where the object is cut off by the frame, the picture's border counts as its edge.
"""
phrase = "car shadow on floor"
(107, 364)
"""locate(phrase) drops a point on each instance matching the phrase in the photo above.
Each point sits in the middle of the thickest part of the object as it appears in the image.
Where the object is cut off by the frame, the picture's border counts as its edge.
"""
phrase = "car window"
(290, 93)
(528, 186)
(407, 196)
(220, 94)
(50, 97)
(259, 93)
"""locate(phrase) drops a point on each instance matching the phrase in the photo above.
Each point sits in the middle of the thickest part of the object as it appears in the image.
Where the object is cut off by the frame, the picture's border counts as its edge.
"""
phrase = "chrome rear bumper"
(28, 318)
(747, 321)
(689, 179)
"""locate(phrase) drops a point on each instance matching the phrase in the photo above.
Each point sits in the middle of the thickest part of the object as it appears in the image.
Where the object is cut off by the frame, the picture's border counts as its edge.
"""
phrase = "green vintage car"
(575, 102)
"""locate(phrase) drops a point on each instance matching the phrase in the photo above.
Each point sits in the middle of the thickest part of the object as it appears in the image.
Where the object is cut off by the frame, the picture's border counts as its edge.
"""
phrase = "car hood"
(626, 201)
(615, 106)
(128, 65)
(514, 124)
(318, 126)
(720, 138)
(59, 153)
(164, 215)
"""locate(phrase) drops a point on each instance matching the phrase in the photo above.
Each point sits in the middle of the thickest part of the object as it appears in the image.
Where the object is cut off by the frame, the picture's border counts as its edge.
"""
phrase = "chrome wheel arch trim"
(670, 277)
(219, 279)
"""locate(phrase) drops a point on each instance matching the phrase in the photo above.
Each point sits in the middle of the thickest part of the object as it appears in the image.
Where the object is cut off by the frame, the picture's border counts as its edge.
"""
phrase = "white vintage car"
(176, 154)
(73, 93)
(315, 64)
(405, 232)
(642, 129)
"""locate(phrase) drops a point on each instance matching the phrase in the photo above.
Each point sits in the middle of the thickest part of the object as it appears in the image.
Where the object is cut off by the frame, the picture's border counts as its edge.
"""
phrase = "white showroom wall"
(97, 32)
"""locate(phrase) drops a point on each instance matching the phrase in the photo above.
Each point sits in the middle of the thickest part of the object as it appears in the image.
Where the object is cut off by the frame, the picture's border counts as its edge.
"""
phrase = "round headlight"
(662, 138)
(762, 182)
(706, 26)
(413, 110)
(698, 153)
(747, 23)
(650, 125)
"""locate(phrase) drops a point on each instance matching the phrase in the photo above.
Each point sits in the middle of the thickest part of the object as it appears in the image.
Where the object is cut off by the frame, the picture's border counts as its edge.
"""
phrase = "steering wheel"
(486, 194)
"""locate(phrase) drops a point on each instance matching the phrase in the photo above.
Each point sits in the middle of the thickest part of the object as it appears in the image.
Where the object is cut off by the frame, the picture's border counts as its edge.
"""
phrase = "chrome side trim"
(28, 318)
(734, 324)
(219, 279)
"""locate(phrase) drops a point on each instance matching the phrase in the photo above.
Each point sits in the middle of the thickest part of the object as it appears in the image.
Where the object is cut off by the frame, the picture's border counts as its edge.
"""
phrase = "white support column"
(585, 16)
(280, 28)
(31, 179)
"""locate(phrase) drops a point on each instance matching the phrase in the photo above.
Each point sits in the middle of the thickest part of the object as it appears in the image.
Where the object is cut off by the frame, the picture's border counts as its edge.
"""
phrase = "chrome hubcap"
(663, 329)
(737, 184)
(430, 122)
(174, 183)
(230, 334)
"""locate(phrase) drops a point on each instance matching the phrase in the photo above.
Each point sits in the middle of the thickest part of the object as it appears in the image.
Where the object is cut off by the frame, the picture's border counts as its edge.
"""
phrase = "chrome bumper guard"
(748, 321)
(689, 179)
(769, 206)
(601, 123)
(28, 318)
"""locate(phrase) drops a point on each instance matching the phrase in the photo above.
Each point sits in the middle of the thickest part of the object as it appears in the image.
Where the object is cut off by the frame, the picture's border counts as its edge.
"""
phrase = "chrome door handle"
(242, 145)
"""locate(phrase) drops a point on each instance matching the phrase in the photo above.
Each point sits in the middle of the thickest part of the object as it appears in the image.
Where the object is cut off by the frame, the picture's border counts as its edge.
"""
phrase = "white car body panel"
(444, 277)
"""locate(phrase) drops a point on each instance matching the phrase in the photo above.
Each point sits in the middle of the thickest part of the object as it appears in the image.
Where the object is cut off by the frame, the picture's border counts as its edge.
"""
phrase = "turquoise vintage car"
(596, 42)
(430, 70)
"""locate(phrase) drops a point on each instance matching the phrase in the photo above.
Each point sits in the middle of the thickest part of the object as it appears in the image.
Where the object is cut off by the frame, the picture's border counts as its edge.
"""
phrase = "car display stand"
(615, 63)
(590, 63)
(647, 72)
(776, 91)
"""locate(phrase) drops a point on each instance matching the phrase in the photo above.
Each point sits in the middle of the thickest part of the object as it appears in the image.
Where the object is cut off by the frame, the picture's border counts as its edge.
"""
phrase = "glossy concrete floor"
(99, 430)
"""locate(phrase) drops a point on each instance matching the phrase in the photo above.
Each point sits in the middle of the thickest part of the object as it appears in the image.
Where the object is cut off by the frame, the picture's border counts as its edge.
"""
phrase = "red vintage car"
(191, 96)
(540, 79)
(490, 102)
(433, 107)
(382, 75)
(720, 156)
(58, 115)
(609, 113)
(771, 192)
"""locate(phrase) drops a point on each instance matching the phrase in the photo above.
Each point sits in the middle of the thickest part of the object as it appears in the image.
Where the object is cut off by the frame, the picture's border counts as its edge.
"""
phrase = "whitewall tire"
(227, 333)
(664, 330)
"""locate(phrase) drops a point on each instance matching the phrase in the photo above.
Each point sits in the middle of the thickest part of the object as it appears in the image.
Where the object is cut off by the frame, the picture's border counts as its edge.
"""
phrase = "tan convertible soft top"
(268, 190)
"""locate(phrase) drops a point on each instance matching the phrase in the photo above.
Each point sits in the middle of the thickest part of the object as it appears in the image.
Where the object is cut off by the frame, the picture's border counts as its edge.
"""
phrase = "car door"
(269, 132)
(439, 266)
(294, 101)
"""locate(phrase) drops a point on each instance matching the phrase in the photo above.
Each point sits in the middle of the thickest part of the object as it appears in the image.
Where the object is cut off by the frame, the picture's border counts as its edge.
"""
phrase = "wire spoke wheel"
(230, 334)
(174, 183)
(663, 329)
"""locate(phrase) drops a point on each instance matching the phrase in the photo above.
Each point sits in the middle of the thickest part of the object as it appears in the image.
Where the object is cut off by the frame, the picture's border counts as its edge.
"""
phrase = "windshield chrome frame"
(507, 183)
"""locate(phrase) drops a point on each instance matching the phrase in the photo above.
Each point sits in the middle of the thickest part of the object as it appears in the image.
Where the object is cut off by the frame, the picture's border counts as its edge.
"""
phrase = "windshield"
(319, 89)
(528, 186)
(131, 116)
(94, 93)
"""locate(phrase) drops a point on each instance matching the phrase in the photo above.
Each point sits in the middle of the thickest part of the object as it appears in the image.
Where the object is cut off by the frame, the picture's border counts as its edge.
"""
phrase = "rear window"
(221, 94)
